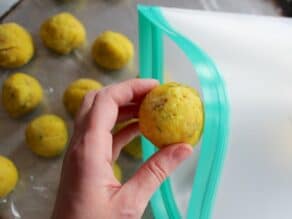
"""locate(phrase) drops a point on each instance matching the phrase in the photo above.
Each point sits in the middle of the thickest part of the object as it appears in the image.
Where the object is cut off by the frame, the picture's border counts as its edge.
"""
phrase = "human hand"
(88, 188)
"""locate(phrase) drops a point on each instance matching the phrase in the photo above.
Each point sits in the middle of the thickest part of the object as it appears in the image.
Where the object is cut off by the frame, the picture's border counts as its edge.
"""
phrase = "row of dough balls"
(46, 135)
(22, 94)
(62, 33)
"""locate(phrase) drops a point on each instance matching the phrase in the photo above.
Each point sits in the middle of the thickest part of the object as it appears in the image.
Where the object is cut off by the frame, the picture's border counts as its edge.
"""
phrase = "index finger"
(104, 111)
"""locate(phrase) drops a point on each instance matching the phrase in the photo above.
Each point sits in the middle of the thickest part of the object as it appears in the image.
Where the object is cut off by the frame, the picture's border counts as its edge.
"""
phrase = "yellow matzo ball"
(112, 50)
(171, 113)
(47, 135)
(8, 176)
(63, 33)
(134, 148)
(76, 91)
(21, 94)
(16, 45)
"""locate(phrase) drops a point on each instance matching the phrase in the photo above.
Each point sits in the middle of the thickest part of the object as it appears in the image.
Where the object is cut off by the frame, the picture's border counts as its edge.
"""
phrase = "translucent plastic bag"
(248, 109)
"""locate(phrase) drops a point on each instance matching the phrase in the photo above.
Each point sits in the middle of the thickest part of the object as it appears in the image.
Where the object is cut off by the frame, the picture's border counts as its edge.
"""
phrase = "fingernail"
(182, 152)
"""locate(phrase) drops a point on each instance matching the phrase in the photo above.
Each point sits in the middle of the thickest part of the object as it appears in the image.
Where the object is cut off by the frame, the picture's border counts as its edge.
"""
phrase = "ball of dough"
(117, 171)
(21, 94)
(16, 46)
(134, 148)
(171, 113)
(8, 176)
(47, 135)
(75, 93)
(112, 50)
(62, 33)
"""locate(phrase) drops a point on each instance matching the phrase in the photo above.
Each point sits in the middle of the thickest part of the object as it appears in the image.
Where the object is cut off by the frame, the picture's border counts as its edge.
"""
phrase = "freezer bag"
(242, 66)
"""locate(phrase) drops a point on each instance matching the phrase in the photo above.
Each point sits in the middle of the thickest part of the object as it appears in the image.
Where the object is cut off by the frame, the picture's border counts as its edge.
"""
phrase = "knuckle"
(85, 103)
(157, 171)
(77, 150)
(103, 93)
(89, 96)
(109, 94)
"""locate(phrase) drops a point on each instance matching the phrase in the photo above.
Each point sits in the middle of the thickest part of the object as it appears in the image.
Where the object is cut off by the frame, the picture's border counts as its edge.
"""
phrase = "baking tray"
(35, 193)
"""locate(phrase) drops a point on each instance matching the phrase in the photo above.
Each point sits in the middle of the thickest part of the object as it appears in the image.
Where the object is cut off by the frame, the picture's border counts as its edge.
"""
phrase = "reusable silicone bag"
(242, 67)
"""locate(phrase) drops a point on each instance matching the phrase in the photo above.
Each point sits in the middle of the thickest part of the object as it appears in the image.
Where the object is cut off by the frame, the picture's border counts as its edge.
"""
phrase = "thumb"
(152, 173)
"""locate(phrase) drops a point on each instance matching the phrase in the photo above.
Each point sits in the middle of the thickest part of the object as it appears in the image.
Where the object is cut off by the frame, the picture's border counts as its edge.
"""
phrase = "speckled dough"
(75, 92)
(47, 135)
(112, 50)
(63, 33)
(21, 94)
(16, 46)
(171, 113)
(8, 176)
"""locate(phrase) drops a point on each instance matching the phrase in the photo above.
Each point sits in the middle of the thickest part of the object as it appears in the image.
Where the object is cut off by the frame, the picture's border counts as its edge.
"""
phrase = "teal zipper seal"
(152, 25)
(151, 66)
